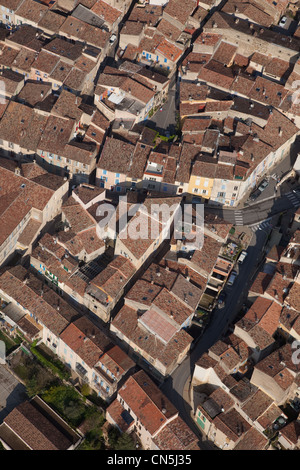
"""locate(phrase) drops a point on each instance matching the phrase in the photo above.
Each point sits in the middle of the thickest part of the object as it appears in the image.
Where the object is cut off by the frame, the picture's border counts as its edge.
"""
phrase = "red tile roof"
(147, 402)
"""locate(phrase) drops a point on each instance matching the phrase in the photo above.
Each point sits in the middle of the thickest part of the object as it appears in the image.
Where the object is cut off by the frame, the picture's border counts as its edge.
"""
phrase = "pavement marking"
(293, 198)
(239, 218)
(260, 225)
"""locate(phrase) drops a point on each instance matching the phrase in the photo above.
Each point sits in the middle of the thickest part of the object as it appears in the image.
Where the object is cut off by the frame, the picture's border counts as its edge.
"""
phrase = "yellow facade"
(200, 186)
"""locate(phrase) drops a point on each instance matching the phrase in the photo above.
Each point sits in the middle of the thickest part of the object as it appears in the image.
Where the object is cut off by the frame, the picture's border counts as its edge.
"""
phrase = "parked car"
(282, 21)
(232, 277)
(263, 185)
(221, 299)
(112, 38)
(254, 195)
(242, 256)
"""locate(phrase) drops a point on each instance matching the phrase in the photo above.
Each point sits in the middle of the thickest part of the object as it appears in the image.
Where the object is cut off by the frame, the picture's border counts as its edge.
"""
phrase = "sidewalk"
(282, 189)
(281, 170)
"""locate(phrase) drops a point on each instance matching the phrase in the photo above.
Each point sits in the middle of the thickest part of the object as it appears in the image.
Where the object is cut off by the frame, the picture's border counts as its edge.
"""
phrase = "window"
(104, 172)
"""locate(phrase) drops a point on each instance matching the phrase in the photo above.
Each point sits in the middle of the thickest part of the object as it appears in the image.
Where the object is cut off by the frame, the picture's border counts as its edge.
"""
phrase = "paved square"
(12, 392)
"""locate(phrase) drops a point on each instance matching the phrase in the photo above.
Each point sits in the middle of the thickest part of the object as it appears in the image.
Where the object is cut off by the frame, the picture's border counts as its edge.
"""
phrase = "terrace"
(231, 251)
(154, 169)
(208, 298)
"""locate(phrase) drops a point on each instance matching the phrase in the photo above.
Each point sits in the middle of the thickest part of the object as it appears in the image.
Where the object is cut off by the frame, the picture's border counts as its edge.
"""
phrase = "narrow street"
(176, 387)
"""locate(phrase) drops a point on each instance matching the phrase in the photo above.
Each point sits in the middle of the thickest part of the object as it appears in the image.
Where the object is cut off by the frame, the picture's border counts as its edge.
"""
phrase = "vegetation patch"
(52, 363)
(10, 343)
(67, 402)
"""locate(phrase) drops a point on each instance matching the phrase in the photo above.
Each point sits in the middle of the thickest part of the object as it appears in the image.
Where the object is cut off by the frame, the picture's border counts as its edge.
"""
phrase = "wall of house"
(202, 421)
(143, 434)
(8, 247)
(203, 376)
(7, 16)
(220, 439)
(248, 44)
(269, 386)
(109, 180)
(230, 189)
(199, 184)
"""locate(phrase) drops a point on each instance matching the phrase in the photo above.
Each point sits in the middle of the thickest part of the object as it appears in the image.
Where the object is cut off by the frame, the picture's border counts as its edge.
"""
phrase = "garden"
(44, 375)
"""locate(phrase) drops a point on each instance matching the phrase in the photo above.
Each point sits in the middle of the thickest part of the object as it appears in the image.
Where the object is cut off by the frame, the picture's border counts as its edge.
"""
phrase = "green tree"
(85, 390)
(120, 441)
(125, 442)
(67, 402)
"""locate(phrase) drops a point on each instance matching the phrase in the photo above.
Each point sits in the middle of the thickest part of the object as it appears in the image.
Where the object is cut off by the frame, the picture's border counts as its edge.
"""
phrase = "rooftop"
(38, 427)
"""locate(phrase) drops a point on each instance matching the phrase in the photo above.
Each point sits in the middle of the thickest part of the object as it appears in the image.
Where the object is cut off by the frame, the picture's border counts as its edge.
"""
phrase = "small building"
(33, 425)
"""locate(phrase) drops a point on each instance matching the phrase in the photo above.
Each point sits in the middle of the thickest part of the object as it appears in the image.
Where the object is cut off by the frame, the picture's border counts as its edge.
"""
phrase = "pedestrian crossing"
(238, 218)
(261, 225)
(294, 198)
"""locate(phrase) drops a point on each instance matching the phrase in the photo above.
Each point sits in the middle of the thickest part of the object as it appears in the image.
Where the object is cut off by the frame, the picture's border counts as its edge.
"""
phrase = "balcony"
(82, 372)
(105, 376)
(96, 386)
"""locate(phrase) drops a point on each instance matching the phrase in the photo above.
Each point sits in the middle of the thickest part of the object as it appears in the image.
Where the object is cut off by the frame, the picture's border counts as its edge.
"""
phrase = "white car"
(112, 38)
(283, 21)
(242, 257)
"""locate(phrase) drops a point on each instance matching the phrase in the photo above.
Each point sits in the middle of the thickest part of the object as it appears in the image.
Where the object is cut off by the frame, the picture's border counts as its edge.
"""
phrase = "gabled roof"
(147, 402)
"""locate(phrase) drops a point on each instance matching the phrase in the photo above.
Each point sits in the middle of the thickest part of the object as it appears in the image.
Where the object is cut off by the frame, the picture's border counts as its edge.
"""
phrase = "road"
(175, 387)
(258, 211)
(165, 121)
